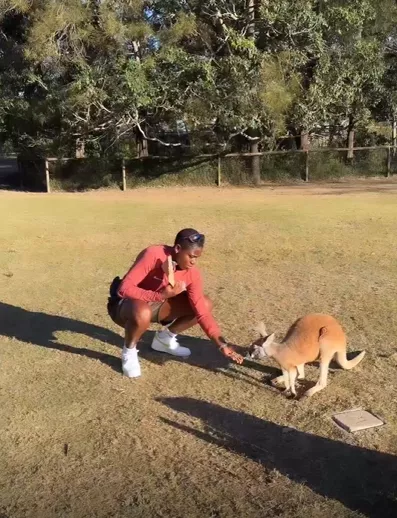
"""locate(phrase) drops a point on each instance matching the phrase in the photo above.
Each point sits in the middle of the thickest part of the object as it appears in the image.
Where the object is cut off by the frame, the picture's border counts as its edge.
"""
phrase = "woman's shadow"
(361, 479)
(40, 329)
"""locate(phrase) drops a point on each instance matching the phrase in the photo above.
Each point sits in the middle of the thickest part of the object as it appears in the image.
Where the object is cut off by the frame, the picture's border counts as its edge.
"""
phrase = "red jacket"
(145, 280)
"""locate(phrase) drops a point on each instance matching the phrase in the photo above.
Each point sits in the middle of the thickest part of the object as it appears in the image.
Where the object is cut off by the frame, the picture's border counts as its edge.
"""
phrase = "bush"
(171, 171)
(84, 174)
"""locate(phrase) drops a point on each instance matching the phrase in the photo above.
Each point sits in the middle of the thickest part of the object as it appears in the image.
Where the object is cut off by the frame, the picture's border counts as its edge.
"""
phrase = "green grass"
(194, 438)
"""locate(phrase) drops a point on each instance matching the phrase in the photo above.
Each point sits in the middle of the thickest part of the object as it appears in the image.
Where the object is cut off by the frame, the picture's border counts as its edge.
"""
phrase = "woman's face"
(186, 258)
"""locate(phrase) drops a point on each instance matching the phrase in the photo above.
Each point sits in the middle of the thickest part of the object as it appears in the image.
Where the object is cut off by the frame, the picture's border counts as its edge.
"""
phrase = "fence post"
(388, 161)
(124, 180)
(306, 165)
(219, 171)
(47, 175)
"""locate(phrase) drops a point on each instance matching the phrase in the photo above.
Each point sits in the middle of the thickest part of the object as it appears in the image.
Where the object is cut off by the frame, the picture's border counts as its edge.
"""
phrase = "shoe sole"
(131, 377)
(171, 353)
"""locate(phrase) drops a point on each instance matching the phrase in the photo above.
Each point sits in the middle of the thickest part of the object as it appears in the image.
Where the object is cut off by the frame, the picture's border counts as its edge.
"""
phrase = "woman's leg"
(180, 314)
(179, 311)
(134, 316)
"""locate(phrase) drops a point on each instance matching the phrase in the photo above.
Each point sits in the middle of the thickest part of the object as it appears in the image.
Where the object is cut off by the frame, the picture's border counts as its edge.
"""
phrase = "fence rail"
(384, 164)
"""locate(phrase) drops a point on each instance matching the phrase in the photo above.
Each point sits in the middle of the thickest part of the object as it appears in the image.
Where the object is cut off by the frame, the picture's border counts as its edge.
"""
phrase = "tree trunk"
(331, 133)
(251, 18)
(137, 50)
(80, 148)
(142, 147)
(330, 136)
(256, 163)
(304, 140)
(350, 139)
(394, 135)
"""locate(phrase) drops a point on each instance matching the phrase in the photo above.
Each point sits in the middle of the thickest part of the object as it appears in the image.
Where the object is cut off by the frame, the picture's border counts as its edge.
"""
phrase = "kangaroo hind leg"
(325, 360)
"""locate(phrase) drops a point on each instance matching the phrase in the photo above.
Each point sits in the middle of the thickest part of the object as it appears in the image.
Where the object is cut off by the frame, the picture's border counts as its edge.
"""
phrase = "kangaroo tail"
(348, 364)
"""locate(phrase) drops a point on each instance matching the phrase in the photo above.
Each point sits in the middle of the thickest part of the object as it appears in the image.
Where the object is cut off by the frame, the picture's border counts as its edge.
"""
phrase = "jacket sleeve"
(145, 263)
(199, 305)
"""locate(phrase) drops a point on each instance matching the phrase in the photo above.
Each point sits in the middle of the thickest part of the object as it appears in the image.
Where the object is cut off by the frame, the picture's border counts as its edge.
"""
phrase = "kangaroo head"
(260, 348)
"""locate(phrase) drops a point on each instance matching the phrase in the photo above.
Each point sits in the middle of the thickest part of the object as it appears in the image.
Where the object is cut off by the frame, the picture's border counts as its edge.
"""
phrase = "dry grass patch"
(194, 438)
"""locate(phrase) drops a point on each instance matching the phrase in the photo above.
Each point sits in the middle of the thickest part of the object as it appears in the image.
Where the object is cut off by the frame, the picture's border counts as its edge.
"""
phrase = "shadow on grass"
(361, 479)
(40, 329)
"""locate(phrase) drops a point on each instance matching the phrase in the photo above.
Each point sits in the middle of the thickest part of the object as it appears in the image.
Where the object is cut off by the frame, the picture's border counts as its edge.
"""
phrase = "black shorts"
(114, 304)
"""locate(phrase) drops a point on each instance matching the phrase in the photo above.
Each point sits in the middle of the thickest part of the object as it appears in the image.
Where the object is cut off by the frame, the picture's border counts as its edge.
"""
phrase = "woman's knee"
(142, 313)
(138, 312)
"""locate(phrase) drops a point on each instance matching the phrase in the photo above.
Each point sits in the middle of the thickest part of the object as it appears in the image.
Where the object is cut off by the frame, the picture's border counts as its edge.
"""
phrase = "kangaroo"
(310, 337)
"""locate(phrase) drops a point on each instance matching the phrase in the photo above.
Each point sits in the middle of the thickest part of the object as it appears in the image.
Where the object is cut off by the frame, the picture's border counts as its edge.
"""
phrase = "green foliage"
(105, 72)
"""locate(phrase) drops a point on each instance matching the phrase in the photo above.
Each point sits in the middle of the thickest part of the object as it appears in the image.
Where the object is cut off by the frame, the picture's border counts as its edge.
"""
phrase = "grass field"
(196, 438)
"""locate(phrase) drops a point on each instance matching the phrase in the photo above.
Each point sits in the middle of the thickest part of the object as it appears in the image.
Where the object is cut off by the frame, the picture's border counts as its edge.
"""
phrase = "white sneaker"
(130, 363)
(170, 345)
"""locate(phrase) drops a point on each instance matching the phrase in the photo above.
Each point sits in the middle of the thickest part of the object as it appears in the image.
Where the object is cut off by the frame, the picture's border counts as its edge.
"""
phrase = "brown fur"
(309, 338)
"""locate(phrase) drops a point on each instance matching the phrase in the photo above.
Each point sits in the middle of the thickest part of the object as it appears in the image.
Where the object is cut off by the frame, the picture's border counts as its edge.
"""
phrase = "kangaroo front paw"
(288, 394)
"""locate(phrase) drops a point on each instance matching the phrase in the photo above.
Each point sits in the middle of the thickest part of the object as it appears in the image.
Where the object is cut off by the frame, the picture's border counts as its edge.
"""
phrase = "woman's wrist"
(221, 342)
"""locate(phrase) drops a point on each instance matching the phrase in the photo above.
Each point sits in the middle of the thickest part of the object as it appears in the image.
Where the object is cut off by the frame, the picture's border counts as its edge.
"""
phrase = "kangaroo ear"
(269, 340)
(261, 329)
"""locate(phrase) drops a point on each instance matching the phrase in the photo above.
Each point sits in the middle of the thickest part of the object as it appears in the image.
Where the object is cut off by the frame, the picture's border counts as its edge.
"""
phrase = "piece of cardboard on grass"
(356, 420)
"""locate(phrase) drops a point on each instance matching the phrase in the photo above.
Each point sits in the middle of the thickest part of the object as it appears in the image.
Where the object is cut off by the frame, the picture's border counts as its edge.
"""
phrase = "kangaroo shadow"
(361, 479)
(40, 329)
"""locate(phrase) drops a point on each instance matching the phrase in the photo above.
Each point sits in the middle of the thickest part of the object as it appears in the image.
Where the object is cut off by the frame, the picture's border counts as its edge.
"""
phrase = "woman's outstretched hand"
(229, 352)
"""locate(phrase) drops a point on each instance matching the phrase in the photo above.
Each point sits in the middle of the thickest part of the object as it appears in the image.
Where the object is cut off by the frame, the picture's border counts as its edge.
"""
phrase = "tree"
(87, 75)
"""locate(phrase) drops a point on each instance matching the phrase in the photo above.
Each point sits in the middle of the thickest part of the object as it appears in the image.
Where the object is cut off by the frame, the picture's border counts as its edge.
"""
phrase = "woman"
(144, 295)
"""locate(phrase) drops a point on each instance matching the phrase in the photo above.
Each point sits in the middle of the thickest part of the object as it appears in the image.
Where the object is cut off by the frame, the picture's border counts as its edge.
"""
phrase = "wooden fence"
(391, 151)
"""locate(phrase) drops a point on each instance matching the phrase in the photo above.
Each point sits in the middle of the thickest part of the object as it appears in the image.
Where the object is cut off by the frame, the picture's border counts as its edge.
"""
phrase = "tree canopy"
(107, 72)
